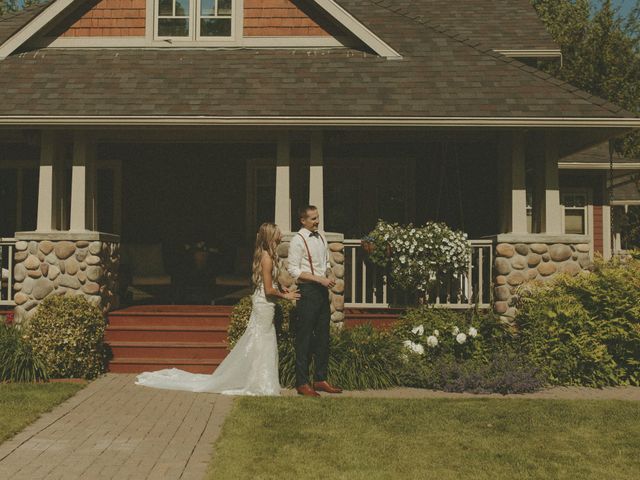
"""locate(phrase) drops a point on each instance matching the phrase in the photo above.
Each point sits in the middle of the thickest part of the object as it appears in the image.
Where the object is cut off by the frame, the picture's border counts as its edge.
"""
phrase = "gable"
(261, 18)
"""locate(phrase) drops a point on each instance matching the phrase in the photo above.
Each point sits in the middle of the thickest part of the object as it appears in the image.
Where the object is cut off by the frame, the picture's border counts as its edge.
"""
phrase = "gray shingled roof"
(496, 24)
(442, 74)
(11, 23)
(598, 154)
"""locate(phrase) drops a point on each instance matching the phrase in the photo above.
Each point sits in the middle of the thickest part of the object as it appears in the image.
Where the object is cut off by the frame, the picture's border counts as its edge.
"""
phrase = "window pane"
(165, 8)
(182, 8)
(173, 27)
(224, 7)
(207, 8)
(215, 27)
(574, 221)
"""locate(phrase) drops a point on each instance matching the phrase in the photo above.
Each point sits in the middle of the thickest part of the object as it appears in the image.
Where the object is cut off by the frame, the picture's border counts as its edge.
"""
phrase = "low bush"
(18, 361)
(585, 330)
(68, 333)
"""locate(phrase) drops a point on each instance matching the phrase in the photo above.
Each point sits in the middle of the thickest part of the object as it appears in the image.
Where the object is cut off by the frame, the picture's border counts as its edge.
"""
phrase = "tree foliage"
(600, 52)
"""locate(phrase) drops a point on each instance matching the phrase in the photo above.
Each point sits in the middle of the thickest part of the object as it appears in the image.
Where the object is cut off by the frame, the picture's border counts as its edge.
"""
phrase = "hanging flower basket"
(370, 247)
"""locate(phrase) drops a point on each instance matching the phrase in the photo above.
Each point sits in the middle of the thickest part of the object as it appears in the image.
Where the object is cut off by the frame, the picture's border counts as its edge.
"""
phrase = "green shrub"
(18, 362)
(443, 333)
(68, 333)
(585, 330)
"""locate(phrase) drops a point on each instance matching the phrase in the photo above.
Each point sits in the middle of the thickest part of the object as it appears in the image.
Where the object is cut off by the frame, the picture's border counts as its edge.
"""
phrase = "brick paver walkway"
(115, 429)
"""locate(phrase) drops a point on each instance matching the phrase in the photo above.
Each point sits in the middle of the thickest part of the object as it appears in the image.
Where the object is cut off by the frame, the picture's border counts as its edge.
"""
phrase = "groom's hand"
(327, 282)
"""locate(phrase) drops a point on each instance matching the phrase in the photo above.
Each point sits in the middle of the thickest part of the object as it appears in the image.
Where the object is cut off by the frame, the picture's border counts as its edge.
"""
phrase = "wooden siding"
(278, 18)
(126, 18)
(107, 18)
(598, 238)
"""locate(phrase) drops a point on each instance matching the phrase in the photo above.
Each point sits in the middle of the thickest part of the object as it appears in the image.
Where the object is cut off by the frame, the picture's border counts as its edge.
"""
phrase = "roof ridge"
(459, 37)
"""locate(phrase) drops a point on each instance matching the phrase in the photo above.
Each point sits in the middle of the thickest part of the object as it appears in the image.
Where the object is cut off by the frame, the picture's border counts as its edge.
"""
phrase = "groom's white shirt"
(298, 259)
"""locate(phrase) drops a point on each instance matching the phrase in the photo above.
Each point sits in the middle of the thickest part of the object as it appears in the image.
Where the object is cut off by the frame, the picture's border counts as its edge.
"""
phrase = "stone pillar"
(283, 192)
(83, 185)
(540, 257)
(336, 249)
(63, 263)
(316, 174)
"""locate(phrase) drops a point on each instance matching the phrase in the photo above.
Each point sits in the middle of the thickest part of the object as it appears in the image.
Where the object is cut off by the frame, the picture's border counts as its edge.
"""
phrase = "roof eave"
(335, 121)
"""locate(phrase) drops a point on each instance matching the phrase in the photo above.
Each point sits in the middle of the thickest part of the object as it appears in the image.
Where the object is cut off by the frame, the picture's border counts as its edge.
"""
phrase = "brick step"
(156, 320)
(166, 333)
(168, 350)
(139, 365)
(377, 319)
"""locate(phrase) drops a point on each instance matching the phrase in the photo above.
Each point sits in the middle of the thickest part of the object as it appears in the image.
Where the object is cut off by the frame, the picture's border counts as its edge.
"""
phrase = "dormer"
(201, 24)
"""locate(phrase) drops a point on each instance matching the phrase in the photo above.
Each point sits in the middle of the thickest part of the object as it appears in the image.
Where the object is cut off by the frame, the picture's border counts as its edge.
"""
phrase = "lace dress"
(251, 368)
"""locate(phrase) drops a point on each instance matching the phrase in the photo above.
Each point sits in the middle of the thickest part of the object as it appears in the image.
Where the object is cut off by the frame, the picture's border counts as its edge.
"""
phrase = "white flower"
(403, 259)
(436, 333)
(414, 347)
(461, 338)
(432, 341)
(455, 331)
(419, 330)
(473, 332)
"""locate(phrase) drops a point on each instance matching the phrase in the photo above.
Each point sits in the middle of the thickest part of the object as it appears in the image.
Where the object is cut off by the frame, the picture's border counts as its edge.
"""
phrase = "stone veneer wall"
(522, 258)
(65, 264)
(336, 248)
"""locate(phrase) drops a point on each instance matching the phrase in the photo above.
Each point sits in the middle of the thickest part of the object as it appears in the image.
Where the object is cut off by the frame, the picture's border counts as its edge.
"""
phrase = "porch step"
(139, 365)
(169, 350)
(166, 333)
(153, 337)
(379, 320)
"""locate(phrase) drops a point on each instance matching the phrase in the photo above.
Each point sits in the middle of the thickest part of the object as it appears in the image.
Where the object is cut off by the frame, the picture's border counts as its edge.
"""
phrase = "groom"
(309, 266)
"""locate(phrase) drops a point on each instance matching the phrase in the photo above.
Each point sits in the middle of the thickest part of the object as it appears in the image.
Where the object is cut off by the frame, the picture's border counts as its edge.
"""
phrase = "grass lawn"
(22, 403)
(351, 438)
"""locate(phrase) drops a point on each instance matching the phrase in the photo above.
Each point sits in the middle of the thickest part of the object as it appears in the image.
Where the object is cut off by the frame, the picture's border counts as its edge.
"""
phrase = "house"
(142, 125)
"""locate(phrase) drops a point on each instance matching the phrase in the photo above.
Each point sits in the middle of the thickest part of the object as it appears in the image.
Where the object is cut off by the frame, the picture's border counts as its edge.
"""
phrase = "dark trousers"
(312, 332)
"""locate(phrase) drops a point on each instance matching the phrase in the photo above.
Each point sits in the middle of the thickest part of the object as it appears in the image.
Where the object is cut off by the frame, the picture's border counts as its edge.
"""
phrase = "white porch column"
(316, 174)
(511, 151)
(552, 216)
(47, 183)
(83, 184)
(283, 191)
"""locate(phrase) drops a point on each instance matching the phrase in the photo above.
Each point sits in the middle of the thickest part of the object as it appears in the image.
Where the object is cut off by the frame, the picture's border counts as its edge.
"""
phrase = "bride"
(251, 368)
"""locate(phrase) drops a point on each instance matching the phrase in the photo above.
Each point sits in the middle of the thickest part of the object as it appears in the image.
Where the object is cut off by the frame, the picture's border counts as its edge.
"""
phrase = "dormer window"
(194, 19)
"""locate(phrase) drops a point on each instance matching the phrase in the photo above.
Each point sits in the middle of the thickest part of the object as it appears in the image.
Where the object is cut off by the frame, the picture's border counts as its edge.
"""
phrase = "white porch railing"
(7, 246)
(367, 287)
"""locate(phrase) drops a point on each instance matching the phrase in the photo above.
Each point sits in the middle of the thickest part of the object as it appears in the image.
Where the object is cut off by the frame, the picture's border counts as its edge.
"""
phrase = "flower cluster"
(418, 256)
(200, 246)
(434, 340)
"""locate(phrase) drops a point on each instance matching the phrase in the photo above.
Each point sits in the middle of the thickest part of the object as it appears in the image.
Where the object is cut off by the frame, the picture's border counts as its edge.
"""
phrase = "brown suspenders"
(309, 252)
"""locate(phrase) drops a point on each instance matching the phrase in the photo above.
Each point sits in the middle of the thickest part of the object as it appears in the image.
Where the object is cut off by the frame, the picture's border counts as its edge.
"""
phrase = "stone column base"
(65, 263)
(336, 249)
(520, 258)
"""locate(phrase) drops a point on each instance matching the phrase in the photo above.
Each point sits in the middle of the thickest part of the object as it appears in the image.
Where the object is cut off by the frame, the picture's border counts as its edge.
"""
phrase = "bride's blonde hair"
(265, 242)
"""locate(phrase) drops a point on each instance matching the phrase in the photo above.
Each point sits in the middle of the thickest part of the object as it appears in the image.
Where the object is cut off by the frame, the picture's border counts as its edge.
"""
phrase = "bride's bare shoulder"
(266, 260)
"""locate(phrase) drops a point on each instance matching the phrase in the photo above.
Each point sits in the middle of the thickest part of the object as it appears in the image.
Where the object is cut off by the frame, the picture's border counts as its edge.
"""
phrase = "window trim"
(194, 37)
(588, 208)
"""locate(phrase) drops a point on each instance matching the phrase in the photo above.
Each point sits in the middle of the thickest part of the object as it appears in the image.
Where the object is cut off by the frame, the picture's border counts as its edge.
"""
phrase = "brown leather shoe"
(307, 391)
(326, 387)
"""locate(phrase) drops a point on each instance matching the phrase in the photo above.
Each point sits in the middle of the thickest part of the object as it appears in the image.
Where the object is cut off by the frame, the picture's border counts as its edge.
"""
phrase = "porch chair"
(237, 284)
(144, 271)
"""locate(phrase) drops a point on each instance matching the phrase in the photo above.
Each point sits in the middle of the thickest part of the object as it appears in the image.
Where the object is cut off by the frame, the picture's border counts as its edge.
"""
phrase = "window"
(194, 19)
(575, 212)
(626, 227)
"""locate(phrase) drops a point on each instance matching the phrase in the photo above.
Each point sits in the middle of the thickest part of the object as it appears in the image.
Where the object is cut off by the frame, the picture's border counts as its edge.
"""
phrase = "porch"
(162, 188)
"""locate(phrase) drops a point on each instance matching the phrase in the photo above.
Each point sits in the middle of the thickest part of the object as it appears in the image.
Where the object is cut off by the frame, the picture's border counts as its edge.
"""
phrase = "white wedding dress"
(251, 368)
